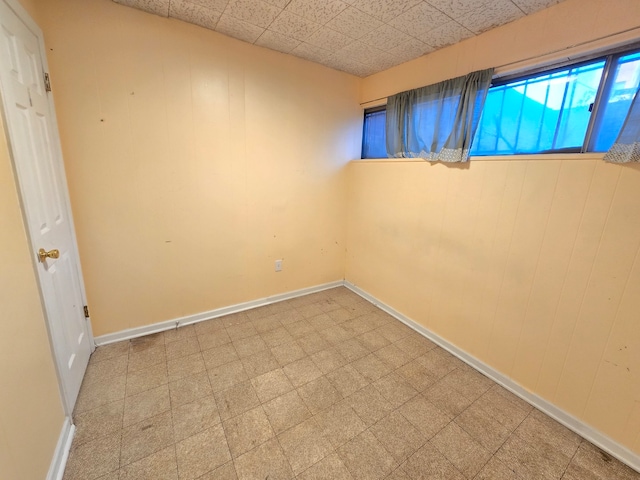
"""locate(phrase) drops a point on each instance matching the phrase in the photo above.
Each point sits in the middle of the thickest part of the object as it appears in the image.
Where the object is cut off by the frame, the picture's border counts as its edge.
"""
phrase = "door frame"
(24, 16)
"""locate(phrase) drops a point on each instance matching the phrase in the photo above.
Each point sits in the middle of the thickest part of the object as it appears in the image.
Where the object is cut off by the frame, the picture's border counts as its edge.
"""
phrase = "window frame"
(609, 56)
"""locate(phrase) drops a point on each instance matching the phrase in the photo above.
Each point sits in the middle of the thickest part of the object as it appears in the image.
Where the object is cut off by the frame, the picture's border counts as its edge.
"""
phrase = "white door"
(33, 135)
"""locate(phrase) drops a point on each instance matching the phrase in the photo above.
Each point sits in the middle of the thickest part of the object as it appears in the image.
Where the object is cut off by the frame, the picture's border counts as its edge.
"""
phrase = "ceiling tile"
(490, 15)
(192, 13)
(255, 12)
(217, 5)
(385, 38)
(362, 53)
(348, 65)
(238, 29)
(319, 11)
(157, 7)
(385, 10)
(447, 34)
(354, 23)
(276, 41)
(329, 39)
(293, 26)
(420, 19)
(414, 48)
(456, 8)
(532, 6)
(311, 52)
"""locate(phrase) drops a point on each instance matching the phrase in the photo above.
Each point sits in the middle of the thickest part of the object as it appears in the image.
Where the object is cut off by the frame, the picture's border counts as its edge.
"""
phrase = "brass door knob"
(43, 254)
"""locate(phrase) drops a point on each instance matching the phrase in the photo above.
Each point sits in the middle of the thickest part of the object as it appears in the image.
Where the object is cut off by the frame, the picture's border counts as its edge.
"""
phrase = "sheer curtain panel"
(437, 122)
(626, 148)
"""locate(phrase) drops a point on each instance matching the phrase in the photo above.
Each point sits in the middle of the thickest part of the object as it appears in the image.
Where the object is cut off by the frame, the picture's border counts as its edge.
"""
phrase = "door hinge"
(86, 311)
(47, 82)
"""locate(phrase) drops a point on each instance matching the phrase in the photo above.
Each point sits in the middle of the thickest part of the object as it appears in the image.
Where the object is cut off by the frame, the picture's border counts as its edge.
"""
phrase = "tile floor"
(324, 386)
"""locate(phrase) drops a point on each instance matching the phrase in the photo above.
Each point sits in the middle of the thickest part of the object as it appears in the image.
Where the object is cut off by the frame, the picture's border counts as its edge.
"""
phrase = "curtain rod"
(542, 55)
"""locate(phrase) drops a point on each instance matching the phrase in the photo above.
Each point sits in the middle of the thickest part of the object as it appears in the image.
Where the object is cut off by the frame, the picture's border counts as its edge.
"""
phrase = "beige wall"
(31, 414)
(530, 265)
(195, 161)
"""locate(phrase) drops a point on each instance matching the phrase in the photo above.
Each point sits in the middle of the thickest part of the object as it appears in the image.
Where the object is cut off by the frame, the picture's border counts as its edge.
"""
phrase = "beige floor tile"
(236, 400)
(93, 395)
(202, 453)
(271, 385)
(146, 379)
(340, 314)
(144, 438)
(319, 394)
(93, 459)
(313, 343)
(98, 422)
(287, 353)
(267, 324)
(180, 333)
(243, 330)
(400, 474)
(115, 475)
(322, 321)
(415, 345)
(398, 436)
(194, 417)
(467, 455)
(373, 341)
(347, 380)
(340, 423)
(225, 472)
(417, 375)
(304, 445)
(483, 428)
(395, 331)
(496, 470)
(371, 367)
(161, 465)
(248, 430)
(260, 363)
(276, 337)
(286, 411)
(395, 389)
(185, 366)
(591, 463)
(146, 404)
(330, 467)
(336, 334)
(351, 349)
(111, 367)
(393, 356)
(369, 404)
(538, 428)
(146, 342)
(182, 348)
(290, 316)
(301, 371)
(214, 339)
(425, 416)
(249, 345)
(266, 461)
(429, 463)
(299, 329)
(309, 311)
(233, 319)
(259, 312)
(141, 358)
(468, 382)
(328, 360)
(227, 375)
(188, 389)
(215, 357)
(357, 326)
(209, 326)
(532, 460)
(446, 398)
(366, 458)
(110, 351)
(438, 362)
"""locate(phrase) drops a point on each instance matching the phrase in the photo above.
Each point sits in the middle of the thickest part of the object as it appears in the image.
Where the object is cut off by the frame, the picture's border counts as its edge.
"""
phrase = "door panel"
(38, 163)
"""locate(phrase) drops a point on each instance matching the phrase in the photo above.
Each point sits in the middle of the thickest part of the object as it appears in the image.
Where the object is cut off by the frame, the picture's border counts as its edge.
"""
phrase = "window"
(576, 108)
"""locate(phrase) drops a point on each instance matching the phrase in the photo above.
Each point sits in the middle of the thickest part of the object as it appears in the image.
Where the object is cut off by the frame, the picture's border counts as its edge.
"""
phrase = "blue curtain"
(627, 146)
(437, 122)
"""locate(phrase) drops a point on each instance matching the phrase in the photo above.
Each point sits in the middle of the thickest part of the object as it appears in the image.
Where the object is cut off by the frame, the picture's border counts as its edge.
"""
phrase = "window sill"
(497, 158)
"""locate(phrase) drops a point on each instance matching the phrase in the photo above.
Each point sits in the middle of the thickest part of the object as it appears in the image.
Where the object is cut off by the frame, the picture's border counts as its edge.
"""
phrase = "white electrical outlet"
(278, 265)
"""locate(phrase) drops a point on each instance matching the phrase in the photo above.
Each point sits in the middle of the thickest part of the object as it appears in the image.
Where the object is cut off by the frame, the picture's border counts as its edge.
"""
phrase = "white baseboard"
(200, 317)
(578, 426)
(61, 454)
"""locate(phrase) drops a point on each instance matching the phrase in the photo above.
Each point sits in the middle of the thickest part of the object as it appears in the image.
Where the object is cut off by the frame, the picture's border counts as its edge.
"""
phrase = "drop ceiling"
(361, 37)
